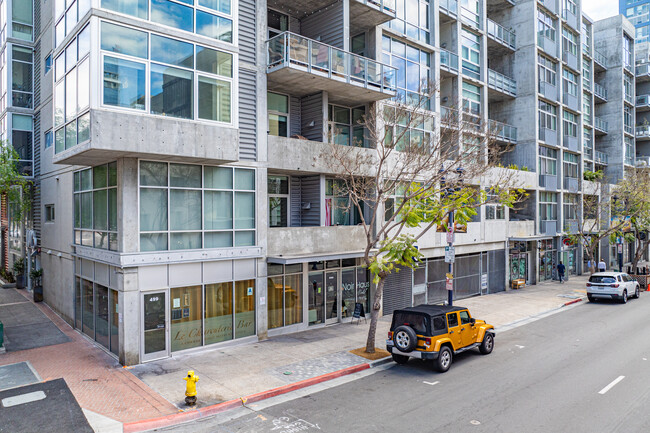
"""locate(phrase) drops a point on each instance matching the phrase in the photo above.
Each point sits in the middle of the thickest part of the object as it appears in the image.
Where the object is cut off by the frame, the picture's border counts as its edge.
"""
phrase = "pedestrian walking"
(602, 267)
(560, 272)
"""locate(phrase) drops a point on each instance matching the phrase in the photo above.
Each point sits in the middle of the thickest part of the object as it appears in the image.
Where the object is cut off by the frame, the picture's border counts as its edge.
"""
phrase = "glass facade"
(67, 14)
(412, 19)
(285, 294)
(413, 71)
(185, 206)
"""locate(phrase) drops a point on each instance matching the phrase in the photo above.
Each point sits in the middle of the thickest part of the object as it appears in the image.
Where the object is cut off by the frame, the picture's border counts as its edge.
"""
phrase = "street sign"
(450, 237)
(449, 283)
(484, 282)
(450, 254)
(620, 248)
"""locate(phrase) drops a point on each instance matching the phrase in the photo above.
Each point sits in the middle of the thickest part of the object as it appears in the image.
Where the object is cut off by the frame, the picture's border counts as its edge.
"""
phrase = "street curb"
(178, 418)
(572, 302)
(381, 361)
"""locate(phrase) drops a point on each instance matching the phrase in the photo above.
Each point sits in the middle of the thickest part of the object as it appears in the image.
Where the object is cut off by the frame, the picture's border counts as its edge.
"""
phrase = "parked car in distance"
(612, 285)
(436, 333)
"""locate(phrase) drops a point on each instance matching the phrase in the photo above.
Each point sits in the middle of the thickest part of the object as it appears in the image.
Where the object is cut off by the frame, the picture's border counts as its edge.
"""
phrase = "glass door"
(332, 297)
(316, 299)
(154, 325)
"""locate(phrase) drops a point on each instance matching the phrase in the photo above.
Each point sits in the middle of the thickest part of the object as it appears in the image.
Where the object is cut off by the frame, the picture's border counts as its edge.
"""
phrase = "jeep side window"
(438, 323)
(452, 319)
(464, 317)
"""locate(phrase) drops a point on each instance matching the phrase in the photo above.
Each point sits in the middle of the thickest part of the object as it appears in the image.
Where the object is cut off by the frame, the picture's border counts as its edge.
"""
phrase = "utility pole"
(450, 244)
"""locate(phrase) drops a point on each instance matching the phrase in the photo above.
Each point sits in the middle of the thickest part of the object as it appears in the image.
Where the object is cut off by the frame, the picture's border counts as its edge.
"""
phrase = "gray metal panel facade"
(247, 115)
(310, 193)
(325, 26)
(312, 111)
(247, 33)
(36, 206)
(397, 290)
(294, 116)
(295, 200)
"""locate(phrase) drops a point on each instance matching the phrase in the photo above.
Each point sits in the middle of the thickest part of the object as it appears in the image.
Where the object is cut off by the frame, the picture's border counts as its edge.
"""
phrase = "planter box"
(38, 294)
(20, 281)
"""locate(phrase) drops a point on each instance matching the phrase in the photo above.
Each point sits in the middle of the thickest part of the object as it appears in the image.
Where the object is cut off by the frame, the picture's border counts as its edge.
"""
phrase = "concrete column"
(129, 316)
(127, 205)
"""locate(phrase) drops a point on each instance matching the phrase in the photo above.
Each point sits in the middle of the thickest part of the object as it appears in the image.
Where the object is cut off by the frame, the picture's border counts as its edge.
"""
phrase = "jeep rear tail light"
(390, 335)
(427, 341)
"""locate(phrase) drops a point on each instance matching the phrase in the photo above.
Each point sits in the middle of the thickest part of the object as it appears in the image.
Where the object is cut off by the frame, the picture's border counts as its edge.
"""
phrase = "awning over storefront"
(302, 258)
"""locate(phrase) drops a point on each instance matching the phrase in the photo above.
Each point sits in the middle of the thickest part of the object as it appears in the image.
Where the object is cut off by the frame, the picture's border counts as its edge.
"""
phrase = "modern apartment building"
(638, 12)
(182, 198)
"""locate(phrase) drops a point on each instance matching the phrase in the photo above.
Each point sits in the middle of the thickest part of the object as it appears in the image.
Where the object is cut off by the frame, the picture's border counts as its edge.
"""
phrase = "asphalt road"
(586, 369)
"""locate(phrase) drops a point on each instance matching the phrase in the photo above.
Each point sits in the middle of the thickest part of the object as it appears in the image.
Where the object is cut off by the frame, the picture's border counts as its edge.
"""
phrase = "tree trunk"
(374, 315)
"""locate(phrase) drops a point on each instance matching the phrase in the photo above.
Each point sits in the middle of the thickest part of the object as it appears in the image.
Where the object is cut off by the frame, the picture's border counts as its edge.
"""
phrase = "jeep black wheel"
(445, 357)
(591, 298)
(488, 344)
(400, 359)
(624, 297)
(405, 338)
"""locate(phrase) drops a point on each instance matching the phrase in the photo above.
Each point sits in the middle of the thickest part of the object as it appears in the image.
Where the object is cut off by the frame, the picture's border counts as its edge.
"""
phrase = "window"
(21, 19)
(278, 107)
(277, 23)
(49, 139)
(285, 294)
(494, 211)
(569, 7)
(570, 82)
(95, 207)
(628, 88)
(586, 74)
(66, 15)
(471, 98)
(21, 80)
(629, 150)
(22, 136)
(339, 209)
(417, 136)
(570, 165)
(587, 143)
(547, 206)
(570, 207)
(412, 74)
(547, 116)
(569, 41)
(278, 191)
(412, 19)
(452, 320)
(547, 70)
(471, 53)
(570, 124)
(586, 37)
(47, 64)
(545, 26)
(184, 206)
(214, 18)
(547, 161)
(345, 126)
(586, 108)
(628, 119)
(627, 52)
(180, 74)
(49, 213)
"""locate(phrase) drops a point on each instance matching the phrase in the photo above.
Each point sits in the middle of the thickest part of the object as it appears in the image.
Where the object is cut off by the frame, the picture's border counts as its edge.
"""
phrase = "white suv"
(612, 285)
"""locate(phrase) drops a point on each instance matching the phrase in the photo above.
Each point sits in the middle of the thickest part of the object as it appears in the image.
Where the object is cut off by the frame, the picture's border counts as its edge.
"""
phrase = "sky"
(599, 9)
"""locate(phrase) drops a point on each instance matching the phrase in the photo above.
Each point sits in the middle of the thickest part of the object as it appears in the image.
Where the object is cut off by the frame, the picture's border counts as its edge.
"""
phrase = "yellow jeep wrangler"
(436, 333)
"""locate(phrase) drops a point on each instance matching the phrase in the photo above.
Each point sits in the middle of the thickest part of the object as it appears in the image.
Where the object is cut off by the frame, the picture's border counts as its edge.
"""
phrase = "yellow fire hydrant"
(190, 388)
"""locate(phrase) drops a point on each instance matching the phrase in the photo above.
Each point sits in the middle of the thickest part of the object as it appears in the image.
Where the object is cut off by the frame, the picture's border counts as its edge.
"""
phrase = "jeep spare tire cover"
(405, 338)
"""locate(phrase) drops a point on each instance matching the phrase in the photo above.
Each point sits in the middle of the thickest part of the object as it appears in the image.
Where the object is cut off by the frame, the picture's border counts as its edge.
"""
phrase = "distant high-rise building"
(638, 12)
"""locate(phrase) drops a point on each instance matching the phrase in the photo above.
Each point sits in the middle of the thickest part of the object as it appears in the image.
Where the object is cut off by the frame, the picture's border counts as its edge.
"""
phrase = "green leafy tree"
(14, 187)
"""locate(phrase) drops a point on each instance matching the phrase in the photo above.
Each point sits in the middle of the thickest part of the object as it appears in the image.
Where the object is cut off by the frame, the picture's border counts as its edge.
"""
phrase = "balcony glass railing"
(601, 124)
(291, 50)
(600, 91)
(601, 158)
(502, 83)
(503, 131)
(449, 6)
(448, 59)
(643, 161)
(387, 6)
(471, 18)
(588, 152)
(449, 116)
(586, 50)
(643, 131)
(643, 69)
(643, 100)
(600, 59)
(501, 34)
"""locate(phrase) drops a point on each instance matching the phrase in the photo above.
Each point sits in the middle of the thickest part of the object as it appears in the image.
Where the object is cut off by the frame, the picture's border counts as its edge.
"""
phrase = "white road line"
(23, 398)
(431, 383)
(611, 385)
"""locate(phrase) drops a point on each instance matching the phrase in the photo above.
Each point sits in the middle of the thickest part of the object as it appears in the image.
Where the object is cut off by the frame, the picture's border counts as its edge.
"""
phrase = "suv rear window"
(602, 280)
(416, 321)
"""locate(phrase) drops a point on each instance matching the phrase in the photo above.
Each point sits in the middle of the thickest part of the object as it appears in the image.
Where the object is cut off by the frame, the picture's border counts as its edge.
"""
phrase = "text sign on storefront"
(358, 311)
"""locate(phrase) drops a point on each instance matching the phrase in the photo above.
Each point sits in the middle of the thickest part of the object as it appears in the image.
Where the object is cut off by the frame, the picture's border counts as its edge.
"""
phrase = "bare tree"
(412, 175)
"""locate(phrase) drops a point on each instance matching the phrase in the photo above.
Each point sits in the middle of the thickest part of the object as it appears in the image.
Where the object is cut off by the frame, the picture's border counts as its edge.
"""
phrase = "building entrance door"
(332, 297)
(155, 326)
(316, 299)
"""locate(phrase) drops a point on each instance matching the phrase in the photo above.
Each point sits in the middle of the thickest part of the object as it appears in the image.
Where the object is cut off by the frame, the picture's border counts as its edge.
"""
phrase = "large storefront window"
(95, 207)
(547, 259)
(284, 295)
(186, 324)
(185, 206)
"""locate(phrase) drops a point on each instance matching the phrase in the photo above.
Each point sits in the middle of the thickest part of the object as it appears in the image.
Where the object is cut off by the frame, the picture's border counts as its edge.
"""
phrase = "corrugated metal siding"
(496, 271)
(397, 290)
(312, 111)
(294, 116)
(247, 33)
(310, 193)
(247, 115)
(37, 73)
(295, 201)
(294, 25)
(37, 174)
(325, 26)
(37, 17)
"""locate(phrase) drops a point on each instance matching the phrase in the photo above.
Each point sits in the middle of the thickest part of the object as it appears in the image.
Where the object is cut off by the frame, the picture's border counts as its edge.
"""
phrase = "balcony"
(449, 8)
(601, 158)
(498, 5)
(600, 61)
(449, 117)
(643, 132)
(586, 50)
(470, 18)
(601, 127)
(588, 152)
(548, 227)
(643, 161)
(504, 87)
(301, 66)
(313, 241)
(364, 14)
(449, 62)
(502, 36)
(503, 132)
(643, 73)
(600, 93)
(571, 184)
(643, 103)
(115, 134)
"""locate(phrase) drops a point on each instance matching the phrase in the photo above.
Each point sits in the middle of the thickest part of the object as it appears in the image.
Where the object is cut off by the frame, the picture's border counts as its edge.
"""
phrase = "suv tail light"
(427, 341)
(588, 284)
(390, 335)
(614, 285)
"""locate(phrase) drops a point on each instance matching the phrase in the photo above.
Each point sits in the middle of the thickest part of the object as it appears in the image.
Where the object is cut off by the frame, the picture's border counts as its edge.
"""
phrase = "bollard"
(190, 388)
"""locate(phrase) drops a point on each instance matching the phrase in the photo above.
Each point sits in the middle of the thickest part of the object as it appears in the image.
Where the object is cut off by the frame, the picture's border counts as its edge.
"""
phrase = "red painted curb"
(177, 418)
(572, 302)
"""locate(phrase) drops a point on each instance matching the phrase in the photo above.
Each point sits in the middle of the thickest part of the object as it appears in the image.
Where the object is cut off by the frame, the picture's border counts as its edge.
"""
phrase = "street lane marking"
(611, 385)
(431, 383)
(519, 346)
(23, 398)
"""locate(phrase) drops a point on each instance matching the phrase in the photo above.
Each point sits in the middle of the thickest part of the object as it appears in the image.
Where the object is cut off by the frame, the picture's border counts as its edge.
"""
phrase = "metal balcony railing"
(588, 151)
(501, 34)
(503, 131)
(643, 100)
(643, 69)
(601, 124)
(601, 158)
(290, 49)
(600, 59)
(502, 83)
(449, 60)
(643, 131)
(600, 91)
(449, 116)
(449, 6)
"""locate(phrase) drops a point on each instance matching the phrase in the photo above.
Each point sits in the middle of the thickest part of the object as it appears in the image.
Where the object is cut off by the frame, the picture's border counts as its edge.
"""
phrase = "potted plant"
(37, 280)
(19, 271)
